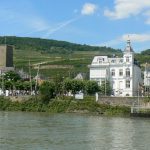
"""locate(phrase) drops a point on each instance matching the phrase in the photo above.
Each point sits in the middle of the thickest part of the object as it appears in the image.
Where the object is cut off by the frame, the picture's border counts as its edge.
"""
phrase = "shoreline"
(66, 105)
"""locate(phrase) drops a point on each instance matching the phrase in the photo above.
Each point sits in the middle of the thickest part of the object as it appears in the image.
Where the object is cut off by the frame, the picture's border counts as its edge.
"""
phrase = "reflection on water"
(42, 131)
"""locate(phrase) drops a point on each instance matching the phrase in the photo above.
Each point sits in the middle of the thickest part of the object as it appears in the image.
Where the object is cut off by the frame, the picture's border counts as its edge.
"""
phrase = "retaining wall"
(121, 101)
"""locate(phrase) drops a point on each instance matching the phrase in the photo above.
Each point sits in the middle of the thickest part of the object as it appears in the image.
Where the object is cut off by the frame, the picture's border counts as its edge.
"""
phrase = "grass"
(68, 104)
(78, 60)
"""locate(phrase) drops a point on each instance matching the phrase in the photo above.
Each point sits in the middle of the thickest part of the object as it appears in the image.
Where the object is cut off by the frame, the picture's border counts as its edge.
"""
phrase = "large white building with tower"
(123, 74)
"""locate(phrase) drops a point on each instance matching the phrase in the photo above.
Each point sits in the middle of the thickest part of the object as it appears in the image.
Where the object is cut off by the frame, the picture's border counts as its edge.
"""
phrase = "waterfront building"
(147, 76)
(123, 74)
(147, 79)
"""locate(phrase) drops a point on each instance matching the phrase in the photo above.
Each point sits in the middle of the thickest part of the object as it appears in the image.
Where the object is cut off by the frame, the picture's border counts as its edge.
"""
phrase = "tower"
(128, 53)
(6, 56)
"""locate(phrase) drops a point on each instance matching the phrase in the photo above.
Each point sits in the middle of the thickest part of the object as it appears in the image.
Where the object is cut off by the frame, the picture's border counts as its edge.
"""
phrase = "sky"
(92, 22)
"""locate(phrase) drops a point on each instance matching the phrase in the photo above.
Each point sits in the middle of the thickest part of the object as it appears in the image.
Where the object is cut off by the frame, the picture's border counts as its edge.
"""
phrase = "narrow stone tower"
(6, 56)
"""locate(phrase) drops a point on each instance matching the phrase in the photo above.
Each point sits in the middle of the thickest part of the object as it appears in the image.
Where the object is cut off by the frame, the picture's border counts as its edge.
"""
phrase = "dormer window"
(113, 61)
(100, 60)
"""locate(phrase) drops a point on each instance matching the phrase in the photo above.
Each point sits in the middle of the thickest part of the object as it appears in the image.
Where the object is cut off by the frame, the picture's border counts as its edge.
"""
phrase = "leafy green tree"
(47, 91)
(58, 80)
(8, 85)
(67, 85)
(19, 85)
(73, 85)
(12, 76)
(26, 85)
(91, 87)
(76, 86)
(105, 88)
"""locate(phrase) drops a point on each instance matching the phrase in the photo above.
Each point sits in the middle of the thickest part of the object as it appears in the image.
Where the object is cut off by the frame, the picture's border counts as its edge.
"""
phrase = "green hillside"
(56, 57)
(51, 46)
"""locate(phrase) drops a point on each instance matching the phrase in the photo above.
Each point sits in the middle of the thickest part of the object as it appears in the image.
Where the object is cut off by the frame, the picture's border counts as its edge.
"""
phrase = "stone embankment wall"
(121, 101)
(19, 98)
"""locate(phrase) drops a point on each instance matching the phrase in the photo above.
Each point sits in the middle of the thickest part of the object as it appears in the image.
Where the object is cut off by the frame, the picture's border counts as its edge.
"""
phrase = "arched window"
(127, 72)
(120, 72)
(127, 83)
(127, 59)
(113, 72)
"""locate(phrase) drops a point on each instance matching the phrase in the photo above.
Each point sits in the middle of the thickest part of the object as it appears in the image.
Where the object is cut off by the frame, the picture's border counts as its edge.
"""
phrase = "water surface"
(43, 131)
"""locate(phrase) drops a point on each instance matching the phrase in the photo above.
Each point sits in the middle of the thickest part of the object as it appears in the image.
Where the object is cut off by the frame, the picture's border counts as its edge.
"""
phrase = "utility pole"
(105, 86)
(145, 84)
(37, 79)
(138, 97)
(105, 81)
(2, 82)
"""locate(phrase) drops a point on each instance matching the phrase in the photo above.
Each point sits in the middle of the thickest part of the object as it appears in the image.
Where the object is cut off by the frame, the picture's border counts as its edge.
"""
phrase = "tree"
(105, 88)
(76, 86)
(19, 85)
(26, 85)
(47, 90)
(58, 80)
(91, 87)
(8, 85)
(67, 85)
(73, 85)
(11, 76)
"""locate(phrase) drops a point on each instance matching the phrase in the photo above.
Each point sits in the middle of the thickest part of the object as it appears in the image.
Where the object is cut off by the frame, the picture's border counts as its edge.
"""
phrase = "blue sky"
(92, 22)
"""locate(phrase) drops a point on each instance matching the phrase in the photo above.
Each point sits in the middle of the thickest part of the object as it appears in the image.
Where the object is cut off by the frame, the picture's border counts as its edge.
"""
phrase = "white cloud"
(59, 26)
(88, 9)
(147, 14)
(127, 8)
(136, 37)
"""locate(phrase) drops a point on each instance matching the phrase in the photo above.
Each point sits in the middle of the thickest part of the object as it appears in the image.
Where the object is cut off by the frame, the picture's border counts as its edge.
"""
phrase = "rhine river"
(43, 131)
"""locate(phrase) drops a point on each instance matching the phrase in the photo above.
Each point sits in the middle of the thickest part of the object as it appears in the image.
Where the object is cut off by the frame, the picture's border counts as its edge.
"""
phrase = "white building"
(147, 77)
(124, 74)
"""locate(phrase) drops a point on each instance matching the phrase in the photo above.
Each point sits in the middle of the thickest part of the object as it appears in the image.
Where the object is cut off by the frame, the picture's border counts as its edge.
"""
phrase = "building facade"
(123, 74)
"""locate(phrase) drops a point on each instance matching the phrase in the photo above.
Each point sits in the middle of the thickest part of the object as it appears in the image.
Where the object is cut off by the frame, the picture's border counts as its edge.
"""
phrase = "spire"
(128, 46)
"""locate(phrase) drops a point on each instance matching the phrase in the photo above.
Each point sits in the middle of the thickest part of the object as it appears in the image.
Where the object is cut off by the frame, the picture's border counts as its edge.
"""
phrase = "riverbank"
(64, 105)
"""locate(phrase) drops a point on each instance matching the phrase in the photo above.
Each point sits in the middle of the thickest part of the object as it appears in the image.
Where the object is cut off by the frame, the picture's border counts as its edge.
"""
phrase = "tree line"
(51, 46)
(53, 88)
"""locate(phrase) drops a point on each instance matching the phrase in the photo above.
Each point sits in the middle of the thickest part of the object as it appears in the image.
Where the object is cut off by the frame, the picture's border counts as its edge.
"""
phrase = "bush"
(47, 91)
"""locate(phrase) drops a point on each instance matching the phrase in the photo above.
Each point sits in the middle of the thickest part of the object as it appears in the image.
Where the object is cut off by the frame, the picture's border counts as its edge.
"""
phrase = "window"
(120, 72)
(127, 84)
(127, 59)
(113, 72)
(121, 61)
(127, 72)
(102, 82)
(113, 61)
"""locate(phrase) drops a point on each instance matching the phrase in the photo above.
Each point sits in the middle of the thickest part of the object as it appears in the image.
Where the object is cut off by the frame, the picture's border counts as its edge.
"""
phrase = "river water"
(43, 131)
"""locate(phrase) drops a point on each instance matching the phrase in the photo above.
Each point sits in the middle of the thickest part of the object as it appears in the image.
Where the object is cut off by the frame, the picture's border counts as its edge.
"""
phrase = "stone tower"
(6, 56)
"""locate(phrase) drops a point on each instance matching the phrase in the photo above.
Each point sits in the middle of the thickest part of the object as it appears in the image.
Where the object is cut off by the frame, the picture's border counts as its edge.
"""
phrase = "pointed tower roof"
(128, 46)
